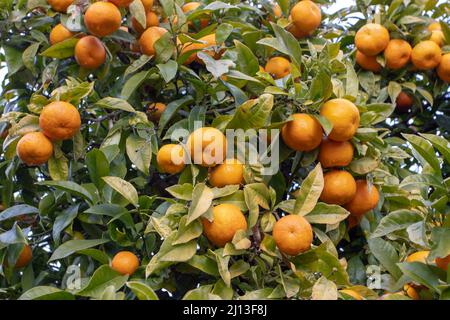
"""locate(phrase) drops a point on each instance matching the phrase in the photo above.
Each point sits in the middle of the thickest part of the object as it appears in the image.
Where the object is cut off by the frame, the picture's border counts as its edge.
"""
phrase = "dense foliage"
(103, 190)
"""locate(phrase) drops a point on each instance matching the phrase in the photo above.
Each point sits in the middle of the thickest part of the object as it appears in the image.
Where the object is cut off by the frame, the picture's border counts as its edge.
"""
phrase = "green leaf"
(364, 165)
(396, 220)
(216, 67)
(386, 254)
(180, 253)
(187, 233)
(440, 143)
(131, 85)
(253, 114)
(140, 152)
(61, 50)
(137, 11)
(288, 44)
(352, 82)
(70, 187)
(324, 289)
(309, 192)
(223, 31)
(168, 70)
(98, 166)
(46, 293)
(123, 187)
(29, 56)
(181, 191)
(142, 291)
(171, 109)
(13, 59)
(327, 214)
(70, 247)
(202, 197)
(114, 104)
(423, 151)
(17, 210)
(420, 273)
(58, 167)
(63, 220)
(102, 278)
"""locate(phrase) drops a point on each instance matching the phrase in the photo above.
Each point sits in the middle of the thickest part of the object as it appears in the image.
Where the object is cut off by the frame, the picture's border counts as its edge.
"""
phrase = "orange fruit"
(207, 146)
(148, 39)
(364, 199)
(339, 187)
(277, 13)
(355, 295)
(292, 234)
(60, 33)
(438, 37)
(121, 3)
(227, 220)
(419, 256)
(148, 4)
(372, 39)
(404, 102)
(278, 67)
(435, 26)
(344, 116)
(34, 149)
(170, 158)
(426, 55)
(152, 21)
(229, 172)
(443, 262)
(102, 19)
(60, 5)
(353, 221)
(443, 69)
(24, 258)
(303, 133)
(90, 52)
(368, 62)
(335, 153)
(397, 54)
(125, 262)
(59, 120)
(306, 16)
(192, 6)
(207, 41)
(155, 110)
(411, 292)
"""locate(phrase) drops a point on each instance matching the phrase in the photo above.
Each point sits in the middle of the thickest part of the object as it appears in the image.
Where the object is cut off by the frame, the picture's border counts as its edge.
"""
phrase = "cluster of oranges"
(373, 39)
(304, 133)
(58, 121)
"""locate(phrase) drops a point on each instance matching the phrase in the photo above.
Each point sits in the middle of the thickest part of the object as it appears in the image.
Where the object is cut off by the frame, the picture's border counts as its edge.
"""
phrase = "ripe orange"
(34, 149)
(207, 146)
(59, 120)
(121, 3)
(438, 37)
(170, 158)
(435, 26)
(339, 187)
(353, 221)
(148, 39)
(229, 172)
(152, 21)
(419, 256)
(125, 262)
(443, 262)
(227, 220)
(335, 154)
(296, 32)
(372, 39)
(404, 102)
(397, 54)
(24, 258)
(148, 4)
(426, 55)
(60, 5)
(207, 41)
(364, 199)
(355, 295)
(60, 33)
(292, 234)
(278, 67)
(192, 6)
(443, 69)
(102, 18)
(277, 13)
(303, 133)
(344, 116)
(368, 62)
(306, 16)
(411, 292)
(155, 110)
(90, 52)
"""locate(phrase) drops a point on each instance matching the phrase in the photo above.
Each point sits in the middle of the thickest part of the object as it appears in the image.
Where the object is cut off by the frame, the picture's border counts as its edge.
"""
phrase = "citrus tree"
(224, 150)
